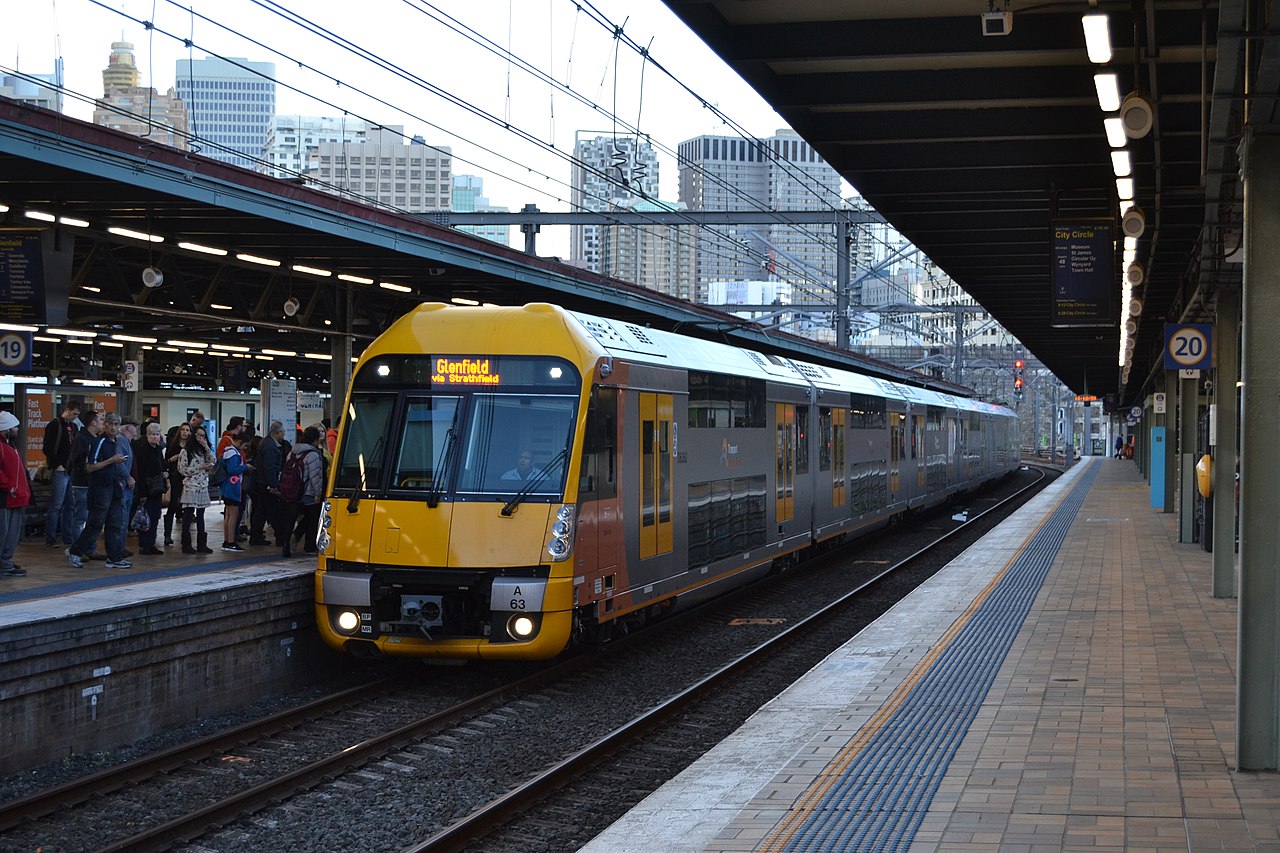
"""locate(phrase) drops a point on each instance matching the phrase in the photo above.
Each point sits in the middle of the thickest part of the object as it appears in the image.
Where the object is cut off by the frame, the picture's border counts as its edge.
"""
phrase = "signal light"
(1017, 383)
(1017, 364)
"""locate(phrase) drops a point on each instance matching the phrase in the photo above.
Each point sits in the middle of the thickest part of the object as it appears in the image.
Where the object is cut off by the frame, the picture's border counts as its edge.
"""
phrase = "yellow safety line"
(832, 773)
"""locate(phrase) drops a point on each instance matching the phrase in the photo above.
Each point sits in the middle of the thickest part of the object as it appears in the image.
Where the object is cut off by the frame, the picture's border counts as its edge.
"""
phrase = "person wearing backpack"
(301, 489)
(268, 464)
(232, 490)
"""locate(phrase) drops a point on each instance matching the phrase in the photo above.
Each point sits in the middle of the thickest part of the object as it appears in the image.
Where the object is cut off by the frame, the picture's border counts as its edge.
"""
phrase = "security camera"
(291, 306)
(152, 277)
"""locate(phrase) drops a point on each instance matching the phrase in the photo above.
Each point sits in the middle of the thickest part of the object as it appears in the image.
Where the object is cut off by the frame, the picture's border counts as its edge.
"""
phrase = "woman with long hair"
(178, 438)
(195, 462)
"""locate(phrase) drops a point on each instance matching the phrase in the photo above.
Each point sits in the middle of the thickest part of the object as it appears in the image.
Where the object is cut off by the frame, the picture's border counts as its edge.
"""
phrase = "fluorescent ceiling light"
(1120, 163)
(218, 307)
(462, 300)
(283, 353)
(1097, 37)
(134, 339)
(1115, 132)
(311, 270)
(399, 288)
(318, 355)
(264, 358)
(73, 222)
(1125, 205)
(71, 333)
(167, 349)
(1108, 86)
(4, 208)
(1130, 255)
(39, 215)
(254, 259)
(195, 352)
(1124, 187)
(231, 347)
(1130, 243)
(355, 279)
(84, 341)
(46, 340)
(110, 344)
(135, 235)
(204, 250)
(91, 288)
(192, 344)
(12, 327)
(97, 383)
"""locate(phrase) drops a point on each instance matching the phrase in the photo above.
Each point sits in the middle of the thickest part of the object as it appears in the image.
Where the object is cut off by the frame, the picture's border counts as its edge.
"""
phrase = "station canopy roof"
(971, 144)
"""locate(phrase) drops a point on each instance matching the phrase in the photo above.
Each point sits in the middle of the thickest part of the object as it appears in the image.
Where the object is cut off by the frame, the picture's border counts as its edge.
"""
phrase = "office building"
(293, 140)
(781, 172)
(468, 197)
(607, 168)
(36, 90)
(230, 103)
(128, 106)
(387, 169)
(659, 257)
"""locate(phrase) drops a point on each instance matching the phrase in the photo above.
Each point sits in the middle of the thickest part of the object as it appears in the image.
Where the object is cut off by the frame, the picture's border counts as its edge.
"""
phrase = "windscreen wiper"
(528, 487)
(442, 463)
(375, 457)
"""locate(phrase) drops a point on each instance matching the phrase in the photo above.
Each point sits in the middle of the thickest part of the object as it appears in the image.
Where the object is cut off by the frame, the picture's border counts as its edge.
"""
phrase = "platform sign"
(15, 351)
(1135, 413)
(1188, 346)
(1082, 259)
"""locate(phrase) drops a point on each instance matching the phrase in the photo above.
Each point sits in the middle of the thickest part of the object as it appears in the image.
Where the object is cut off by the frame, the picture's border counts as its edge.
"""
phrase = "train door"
(839, 474)
(599, 549)
(784, 462)
(919, 452)
(897, 454)
(656, 433)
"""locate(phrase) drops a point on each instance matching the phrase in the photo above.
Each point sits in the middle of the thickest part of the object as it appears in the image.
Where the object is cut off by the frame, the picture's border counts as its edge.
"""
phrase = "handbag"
(156, 484)
(141, 521)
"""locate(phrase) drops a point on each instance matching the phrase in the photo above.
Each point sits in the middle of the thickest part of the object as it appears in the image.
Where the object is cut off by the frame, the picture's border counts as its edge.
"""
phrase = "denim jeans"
(82, 511)
(103, 512)
(61, 517)
(12, 523)
(117, 526)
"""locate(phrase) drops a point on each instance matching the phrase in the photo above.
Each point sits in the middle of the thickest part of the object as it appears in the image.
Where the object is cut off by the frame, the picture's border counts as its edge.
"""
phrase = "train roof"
(654, 346)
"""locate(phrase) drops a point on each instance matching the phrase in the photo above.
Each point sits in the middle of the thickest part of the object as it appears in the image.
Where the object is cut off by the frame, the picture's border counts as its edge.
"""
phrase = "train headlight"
(521, 627)
(324, 540)
(348, 621)
(561, 544)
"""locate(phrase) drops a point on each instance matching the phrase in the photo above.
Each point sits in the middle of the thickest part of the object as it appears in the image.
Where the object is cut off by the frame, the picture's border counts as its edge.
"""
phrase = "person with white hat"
(15, 489)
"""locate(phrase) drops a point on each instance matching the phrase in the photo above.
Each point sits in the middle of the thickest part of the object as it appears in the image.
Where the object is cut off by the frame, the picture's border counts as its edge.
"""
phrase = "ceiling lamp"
(1108, 88)
(1097, 37)
(1133, 222)
(1134, 275)
(1137, 115)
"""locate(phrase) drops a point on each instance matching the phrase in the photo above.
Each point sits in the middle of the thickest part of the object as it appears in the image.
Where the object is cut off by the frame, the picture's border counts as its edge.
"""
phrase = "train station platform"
(93, 658)
(1068, 683)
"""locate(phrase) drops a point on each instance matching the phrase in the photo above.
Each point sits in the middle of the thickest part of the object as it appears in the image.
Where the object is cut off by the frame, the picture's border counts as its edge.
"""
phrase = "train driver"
(524, 469)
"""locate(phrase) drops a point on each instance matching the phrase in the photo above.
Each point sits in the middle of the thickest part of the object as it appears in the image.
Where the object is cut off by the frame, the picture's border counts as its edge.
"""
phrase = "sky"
(501, 121)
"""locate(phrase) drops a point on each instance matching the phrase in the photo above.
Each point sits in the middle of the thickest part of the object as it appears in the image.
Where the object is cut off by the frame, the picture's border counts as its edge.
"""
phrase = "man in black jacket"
(59, 434)
(266, 507)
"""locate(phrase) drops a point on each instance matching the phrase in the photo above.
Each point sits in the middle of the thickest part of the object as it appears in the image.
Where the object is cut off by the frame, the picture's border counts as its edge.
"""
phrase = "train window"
(598, 477)
(364, 441)
(802, 439)
(824, 440)
(428, 422)
(717, 401)
(866, 412)
(502, 427)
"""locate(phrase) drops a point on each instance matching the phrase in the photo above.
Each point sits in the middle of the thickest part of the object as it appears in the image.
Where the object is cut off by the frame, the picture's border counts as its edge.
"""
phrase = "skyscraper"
(607, 168)
(121, 71)
(36, 90)
(781, 172)
(468, 197)
(230, 103)
(659, 257)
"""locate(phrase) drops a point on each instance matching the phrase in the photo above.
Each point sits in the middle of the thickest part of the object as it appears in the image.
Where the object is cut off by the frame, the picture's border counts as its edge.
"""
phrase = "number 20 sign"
(1188, 346)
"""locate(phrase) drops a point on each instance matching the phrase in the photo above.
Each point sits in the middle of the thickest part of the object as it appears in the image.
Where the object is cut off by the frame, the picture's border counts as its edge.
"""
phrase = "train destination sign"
(465, 371)
(1082, 255)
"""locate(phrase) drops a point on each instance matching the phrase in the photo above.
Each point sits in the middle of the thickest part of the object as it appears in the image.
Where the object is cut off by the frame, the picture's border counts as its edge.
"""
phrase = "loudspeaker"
(152, 277)
(1134, 222)
(1136, 116)
(1134, 274)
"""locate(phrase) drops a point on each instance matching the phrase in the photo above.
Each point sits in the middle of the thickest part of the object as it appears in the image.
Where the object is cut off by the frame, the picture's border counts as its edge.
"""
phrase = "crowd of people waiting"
(108, 476)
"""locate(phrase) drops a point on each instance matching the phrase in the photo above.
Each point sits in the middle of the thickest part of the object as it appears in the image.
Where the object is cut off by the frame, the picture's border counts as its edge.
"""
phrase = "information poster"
(21, 278)
(36, 414)
(1082, 255)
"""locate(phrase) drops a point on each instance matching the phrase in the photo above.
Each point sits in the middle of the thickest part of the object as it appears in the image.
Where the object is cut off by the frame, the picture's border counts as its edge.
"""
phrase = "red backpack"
(293, 477)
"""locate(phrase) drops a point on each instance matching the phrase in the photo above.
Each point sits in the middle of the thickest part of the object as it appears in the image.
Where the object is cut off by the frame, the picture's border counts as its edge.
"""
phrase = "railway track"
(470, 751)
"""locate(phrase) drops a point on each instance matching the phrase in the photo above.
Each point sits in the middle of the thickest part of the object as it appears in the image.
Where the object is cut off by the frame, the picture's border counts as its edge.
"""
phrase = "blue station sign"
(1188, 346)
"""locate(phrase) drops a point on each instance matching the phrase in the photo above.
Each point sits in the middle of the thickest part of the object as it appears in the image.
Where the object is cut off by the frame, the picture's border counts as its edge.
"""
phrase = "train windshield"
(464, 437)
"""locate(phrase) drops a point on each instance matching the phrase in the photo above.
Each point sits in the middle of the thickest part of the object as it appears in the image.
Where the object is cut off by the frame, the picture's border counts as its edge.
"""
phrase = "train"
(511, 482)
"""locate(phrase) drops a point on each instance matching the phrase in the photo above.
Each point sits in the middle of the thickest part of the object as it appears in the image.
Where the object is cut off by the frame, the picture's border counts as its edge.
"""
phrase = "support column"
(340, 364)
(1258, 667)
(1188, 432)
(1170, 450)
(1086, 448)
(1226, 337)
(842, 284)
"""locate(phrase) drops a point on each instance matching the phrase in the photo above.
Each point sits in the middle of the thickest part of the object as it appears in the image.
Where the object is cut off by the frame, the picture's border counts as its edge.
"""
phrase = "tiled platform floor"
(1110, 724)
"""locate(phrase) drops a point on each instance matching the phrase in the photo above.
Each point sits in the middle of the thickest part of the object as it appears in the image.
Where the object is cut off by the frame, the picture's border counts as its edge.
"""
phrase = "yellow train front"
(450, 525)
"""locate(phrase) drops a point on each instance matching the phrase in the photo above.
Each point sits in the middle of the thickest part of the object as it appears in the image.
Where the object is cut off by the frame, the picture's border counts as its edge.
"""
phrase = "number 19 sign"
(1188, 346)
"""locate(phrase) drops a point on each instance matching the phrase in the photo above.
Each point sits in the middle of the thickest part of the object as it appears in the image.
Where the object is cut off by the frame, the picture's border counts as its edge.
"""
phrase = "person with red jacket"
(15, 489)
